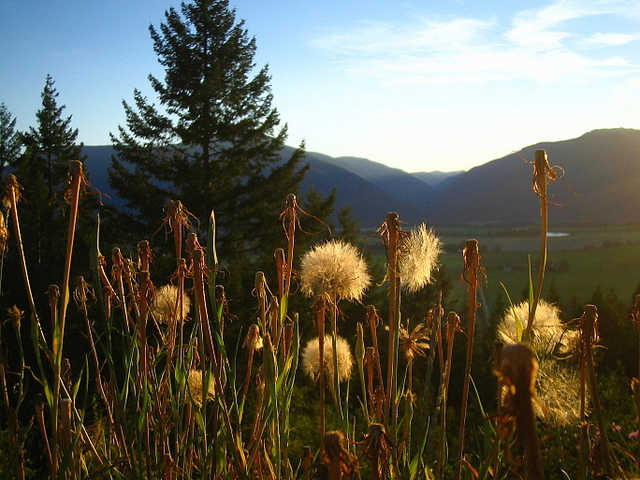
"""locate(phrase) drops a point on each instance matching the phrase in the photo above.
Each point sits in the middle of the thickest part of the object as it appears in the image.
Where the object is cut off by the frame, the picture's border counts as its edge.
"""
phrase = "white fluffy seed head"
(311, 358)
(334, 268)
(167, 307)
(195, 382)
(548, 335)
(558, 385)
(418, 258)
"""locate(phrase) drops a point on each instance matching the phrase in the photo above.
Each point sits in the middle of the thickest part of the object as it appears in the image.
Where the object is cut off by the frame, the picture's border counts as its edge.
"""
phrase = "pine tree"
(349, 225)
(213, 142)
(53, 143)
(9, 139)
(317, 225)
(42, 171)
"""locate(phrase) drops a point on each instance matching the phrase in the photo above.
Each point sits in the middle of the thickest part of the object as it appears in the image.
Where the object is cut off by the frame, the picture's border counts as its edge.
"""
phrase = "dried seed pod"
(377, 448)
(518, 368)
(341, 463)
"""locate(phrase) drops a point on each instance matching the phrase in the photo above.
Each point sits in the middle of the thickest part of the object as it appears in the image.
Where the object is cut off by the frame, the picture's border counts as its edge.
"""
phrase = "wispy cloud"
(611, 39)
(548, 43)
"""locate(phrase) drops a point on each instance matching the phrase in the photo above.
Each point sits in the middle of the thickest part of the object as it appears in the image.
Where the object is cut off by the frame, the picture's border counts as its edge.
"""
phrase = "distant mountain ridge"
(600, 184)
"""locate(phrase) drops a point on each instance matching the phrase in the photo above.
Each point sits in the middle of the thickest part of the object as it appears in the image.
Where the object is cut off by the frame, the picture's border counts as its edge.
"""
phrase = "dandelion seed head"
(195, 382)
(334, 268)
(311, 358)
(558, 393)
(548, 335)
(253, 340)
(419, 258)
(165, 306)
(558, 385)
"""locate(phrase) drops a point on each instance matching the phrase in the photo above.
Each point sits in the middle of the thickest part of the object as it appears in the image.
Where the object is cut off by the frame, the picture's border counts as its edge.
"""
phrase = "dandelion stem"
(542, 174)
(373, 319)
(13, 194)
(588, 337)
(393, 228)
(453, 322)
(291, 219)
(320, 313)
(519, 367)
(472, 267)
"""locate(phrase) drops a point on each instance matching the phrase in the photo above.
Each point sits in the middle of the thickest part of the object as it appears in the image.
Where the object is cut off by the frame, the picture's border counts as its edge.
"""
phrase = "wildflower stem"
(320, 313)
(541, 171)
(588, 337)
(391, 410)
(472, 267)
(373, 319)
(334, 345)
(12, 194)
(453, 321)
(76, 178)
(519, 367)
(291, 219)
(584, 442)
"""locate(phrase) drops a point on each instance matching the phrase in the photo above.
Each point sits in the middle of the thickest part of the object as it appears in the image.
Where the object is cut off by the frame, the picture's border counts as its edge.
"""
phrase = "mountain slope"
(394, 181)
(601, 183)
(437, 178)
(369, 202)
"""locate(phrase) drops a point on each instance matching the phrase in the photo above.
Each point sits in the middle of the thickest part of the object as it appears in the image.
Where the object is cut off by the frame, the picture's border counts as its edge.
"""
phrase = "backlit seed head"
(334, 268)
(253, 340)
(311, 358)
(548, 335)
(558, 386)
(418, 258)
(195, 382)
(558, 392)
(165, 306)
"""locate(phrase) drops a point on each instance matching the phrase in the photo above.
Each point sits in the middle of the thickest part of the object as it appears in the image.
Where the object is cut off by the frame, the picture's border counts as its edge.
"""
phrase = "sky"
(418, 85)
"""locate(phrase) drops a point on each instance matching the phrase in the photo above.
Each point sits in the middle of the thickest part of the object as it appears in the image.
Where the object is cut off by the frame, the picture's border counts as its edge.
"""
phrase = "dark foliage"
(213, 142)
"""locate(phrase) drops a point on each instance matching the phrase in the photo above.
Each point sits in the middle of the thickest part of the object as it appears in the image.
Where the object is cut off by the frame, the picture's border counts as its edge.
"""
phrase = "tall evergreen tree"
(52, 144)
(9, 139)
(42, 171)
(214, 141)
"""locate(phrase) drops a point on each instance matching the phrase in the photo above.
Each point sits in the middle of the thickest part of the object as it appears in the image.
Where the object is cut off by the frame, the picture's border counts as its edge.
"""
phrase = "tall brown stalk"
(453, 325)
(77, 182)
(290, 220)
(373, 319)
(11, 411)
(543, 174)
(518, 369)
(472, 274)
(393, 236)
(588, 323)
(321, 308)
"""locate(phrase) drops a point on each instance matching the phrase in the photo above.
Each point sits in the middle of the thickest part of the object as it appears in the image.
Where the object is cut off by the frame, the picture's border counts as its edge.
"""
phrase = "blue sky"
(439, 85)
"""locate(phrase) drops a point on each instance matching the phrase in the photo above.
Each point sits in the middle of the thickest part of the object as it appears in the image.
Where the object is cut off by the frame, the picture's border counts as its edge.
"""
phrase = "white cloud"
(380, 38)
(611, 39)
(541, 44)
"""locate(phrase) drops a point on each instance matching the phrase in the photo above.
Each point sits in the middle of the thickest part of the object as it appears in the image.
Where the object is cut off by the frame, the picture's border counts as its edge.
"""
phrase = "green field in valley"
(579, 259)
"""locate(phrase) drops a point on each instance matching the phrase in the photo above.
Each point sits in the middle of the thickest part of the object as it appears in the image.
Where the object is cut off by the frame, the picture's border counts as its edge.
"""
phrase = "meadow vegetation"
(219, 327)
(133, 372)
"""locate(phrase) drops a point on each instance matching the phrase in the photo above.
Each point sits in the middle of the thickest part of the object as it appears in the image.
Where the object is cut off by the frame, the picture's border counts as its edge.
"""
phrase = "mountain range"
(598, 181)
